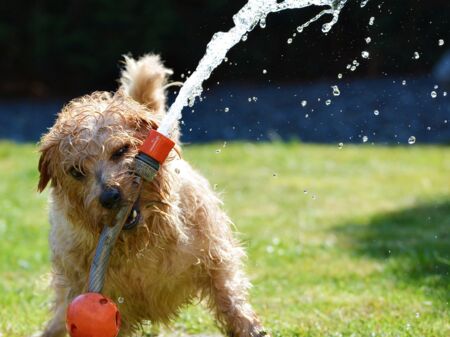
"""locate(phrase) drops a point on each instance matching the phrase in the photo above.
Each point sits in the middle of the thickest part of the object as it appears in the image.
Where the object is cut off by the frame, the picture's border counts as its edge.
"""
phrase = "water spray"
(92, 314)
(253, 13)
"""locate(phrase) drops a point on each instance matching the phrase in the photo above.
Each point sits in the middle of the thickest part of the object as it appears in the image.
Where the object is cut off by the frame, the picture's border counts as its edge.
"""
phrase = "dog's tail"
(145, 81)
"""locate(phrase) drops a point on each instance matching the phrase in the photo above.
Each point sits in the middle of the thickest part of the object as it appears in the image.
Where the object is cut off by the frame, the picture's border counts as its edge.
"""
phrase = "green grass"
(364, 251)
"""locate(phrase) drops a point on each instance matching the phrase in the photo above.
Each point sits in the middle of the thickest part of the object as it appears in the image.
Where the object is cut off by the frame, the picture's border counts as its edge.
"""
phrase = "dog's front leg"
(229, 294)
(56, 327)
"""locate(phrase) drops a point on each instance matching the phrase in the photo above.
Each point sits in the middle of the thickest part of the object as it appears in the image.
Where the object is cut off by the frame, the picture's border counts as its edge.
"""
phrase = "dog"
(177, 244)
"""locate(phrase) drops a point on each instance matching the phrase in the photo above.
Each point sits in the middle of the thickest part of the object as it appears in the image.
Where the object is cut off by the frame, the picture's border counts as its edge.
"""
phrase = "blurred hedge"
(68, 47)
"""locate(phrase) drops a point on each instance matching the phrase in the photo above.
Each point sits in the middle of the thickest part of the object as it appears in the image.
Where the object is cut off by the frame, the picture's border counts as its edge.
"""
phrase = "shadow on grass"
(414, 242)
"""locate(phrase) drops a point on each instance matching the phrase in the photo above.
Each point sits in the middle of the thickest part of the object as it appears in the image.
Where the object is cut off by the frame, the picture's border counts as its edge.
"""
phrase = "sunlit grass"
(351, 242)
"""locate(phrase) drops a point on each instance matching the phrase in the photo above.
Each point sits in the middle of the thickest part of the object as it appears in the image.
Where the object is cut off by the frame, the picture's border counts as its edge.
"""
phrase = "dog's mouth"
(134, 217)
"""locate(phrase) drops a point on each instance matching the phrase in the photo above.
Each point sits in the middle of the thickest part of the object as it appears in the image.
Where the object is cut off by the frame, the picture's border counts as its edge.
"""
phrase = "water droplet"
(226, 109)
(254, 98)
(305, 191)
(177, 170)
(353, 68)
(215, 187)
(444, 93)
(289, 41)
(441, 42)
(340, 146)
(371, 21)
(262, 23)
(433, 94)
(365, 54)
(428, 128)
(368, 39)
(313, 197)
(411, 140)
(249, 99)
(339, 76)
(435, 86)
(264, 71)
(336, 91)
(328, 102)
(417, 315)
(120, 300)
(326, 27)
(304, 103)
(365, 139)
(269, 249)
(218, 150)
(416, 55)
(24, 264)
(244, 37)
(404, 82)
(376, 112)
(299, 29)
(274, 174)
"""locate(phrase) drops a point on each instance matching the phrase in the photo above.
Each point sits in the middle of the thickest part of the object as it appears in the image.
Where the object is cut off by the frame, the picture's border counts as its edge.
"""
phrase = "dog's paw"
(254, 333)
(261, 333)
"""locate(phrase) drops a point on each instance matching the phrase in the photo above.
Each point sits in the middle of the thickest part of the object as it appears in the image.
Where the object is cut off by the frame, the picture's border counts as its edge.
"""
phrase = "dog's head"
(88, 155)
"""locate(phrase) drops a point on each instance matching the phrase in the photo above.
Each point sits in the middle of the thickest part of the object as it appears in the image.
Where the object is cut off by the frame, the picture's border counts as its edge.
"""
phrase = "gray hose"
(106, 242)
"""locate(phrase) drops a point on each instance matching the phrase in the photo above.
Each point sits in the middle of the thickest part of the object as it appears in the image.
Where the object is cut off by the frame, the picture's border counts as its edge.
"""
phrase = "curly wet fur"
(182, 248)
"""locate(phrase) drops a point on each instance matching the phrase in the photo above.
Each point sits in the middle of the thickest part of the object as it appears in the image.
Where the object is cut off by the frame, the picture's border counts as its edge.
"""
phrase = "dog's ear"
(44, 167)
(144, 80)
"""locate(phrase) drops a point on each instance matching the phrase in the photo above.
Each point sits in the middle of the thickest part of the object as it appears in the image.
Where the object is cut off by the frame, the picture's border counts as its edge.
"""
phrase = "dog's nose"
(110, 197)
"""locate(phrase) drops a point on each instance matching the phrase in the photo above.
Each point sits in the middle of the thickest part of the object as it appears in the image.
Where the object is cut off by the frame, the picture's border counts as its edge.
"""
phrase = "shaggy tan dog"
(178, 246)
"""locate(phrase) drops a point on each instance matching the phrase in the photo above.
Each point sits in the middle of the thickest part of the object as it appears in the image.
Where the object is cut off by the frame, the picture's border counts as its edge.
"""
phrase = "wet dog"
(176, 245)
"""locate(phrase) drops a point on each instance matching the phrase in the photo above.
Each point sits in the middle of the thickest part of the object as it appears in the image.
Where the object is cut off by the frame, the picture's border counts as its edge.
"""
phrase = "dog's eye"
(120, 152)
(77, 174)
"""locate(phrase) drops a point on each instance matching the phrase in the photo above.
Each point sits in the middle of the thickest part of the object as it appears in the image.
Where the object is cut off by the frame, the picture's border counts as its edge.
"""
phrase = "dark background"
(53, 47)
(54, 50)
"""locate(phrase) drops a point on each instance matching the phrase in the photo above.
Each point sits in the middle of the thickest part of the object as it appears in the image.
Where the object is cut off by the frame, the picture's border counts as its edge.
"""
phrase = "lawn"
(341, 242)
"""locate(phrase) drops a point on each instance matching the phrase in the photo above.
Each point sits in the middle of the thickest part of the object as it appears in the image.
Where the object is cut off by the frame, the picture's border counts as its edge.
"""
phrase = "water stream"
(248, 17)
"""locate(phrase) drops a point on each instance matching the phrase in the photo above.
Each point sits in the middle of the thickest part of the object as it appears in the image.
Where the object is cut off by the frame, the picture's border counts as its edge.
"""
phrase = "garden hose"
(152, 153)
(107, 239)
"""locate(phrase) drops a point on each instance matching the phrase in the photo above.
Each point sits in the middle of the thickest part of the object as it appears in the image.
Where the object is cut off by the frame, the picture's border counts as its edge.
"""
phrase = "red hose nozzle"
(152, 153)
(157, 146)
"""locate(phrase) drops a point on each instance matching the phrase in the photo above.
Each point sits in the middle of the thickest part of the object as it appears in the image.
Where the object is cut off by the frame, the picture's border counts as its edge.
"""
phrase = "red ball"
(92, 315)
